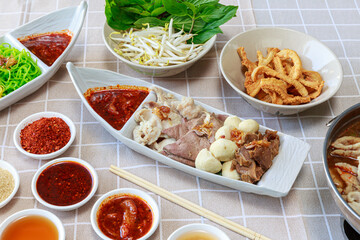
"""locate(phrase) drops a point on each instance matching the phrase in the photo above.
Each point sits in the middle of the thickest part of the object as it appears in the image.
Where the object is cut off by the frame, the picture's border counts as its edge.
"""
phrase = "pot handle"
(328, 124)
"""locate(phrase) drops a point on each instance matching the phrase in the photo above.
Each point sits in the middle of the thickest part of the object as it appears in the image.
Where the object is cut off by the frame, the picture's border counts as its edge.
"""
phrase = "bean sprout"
(156, 46)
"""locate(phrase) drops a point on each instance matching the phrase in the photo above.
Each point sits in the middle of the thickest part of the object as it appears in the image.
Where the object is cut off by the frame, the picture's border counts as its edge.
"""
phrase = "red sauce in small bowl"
(47, 46)
(64, 183)
(124, 216)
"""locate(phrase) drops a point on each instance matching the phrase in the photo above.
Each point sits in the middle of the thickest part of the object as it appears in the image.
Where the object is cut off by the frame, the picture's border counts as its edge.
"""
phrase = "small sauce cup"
(7, 166)
(34, 212)
(214, 231)
(30, 119)
(72, 206)
(127, 191)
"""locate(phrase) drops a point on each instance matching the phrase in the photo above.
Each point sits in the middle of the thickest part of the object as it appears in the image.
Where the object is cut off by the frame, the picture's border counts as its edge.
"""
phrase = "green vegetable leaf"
(153, 21)
(186, 23)
(156, 12)
(201, 2)
(192, 7)
(205, 35)
(174, 7)
(157, 4)
(136, 10)
(212, 12)
(228, 13)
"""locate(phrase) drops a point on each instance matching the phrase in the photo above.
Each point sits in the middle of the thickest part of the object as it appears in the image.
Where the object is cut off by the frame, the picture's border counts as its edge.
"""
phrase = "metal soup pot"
(335, 126)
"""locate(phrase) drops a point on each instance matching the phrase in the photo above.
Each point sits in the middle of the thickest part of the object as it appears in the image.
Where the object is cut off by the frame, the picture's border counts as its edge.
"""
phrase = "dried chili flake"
(45, 135)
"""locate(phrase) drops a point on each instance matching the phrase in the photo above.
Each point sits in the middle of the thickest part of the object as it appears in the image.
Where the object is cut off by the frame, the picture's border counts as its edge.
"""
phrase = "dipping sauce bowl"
(32, 224)
(198, 231)
(125, 209)
(65, 184)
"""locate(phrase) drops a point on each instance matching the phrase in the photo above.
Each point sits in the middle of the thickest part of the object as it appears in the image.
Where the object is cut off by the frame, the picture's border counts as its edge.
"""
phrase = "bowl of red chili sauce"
(65, 184)
(44, 135)
(125, 213)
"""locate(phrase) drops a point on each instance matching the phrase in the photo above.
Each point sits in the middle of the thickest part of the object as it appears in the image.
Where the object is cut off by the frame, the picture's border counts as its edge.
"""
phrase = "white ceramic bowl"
(95, 183)
(38, 212)
(152, 70)
(199, 227)
(151, 202)
(35, 117)
(7, 166)
(313, 54)
(71, 18)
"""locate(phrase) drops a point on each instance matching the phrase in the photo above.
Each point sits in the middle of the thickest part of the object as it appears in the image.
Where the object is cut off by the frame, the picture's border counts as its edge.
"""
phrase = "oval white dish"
(149, 200)
(37, 116)
(71, 18)
(37, 212)
(276, 182)
(94, 187)
(7, 166)
(198, 227)
(153, 70)
(314, 55)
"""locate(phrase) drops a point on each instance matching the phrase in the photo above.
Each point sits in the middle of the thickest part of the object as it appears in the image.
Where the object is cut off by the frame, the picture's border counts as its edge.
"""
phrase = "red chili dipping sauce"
(47, 46)
(116, 104)
(124, 216)
(64, 183)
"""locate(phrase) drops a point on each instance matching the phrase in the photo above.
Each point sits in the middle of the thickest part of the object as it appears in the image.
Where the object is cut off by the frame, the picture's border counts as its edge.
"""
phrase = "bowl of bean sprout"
(155, 51)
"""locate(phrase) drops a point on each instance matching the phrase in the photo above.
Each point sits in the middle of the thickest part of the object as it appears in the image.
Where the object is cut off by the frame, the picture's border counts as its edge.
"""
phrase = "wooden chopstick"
(188, 205)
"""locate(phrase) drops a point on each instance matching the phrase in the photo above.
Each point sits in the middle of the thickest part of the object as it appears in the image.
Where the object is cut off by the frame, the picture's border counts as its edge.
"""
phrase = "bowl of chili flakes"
(44, 135)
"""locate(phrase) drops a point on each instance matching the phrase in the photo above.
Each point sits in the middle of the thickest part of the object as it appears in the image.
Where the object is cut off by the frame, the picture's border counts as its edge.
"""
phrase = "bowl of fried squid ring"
(280, 71)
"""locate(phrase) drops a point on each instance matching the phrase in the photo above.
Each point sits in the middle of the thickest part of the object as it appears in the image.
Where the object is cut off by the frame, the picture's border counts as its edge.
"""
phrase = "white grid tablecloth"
(307, 212)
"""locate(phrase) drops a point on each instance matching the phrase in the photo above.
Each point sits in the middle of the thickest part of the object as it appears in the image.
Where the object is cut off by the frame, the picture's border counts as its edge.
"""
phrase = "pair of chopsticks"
(188, 205)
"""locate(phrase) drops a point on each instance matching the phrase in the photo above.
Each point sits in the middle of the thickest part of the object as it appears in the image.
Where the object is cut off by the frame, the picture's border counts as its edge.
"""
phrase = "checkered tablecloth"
(307, 212)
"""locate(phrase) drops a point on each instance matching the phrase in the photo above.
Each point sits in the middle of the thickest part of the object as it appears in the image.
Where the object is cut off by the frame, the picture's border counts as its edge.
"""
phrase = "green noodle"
(22, 72)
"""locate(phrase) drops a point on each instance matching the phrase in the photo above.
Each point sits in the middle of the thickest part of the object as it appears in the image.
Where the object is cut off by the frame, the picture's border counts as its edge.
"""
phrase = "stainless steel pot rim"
(326, 166)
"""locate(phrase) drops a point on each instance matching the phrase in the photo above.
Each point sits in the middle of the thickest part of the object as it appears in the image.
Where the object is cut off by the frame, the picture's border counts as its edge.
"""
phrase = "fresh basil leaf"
(152, 21)
(205, 35)
(192, 7)
(229, 12)
(174, 7)
(158, 4)
(211, 13)
(158, 11)
(136, 10)
(117, 18)
(186, 23)
(201, 2)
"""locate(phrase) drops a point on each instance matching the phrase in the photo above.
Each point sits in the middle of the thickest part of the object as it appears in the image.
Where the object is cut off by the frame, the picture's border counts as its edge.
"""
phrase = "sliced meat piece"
(251, 174)
(187, 146)
(181, 129)
(242, 157)
(262, 155)
(189, 162)
(274, 140)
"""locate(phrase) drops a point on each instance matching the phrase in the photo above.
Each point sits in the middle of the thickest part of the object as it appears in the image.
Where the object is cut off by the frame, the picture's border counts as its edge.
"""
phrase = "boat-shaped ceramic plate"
(71, 19)
(276, 182)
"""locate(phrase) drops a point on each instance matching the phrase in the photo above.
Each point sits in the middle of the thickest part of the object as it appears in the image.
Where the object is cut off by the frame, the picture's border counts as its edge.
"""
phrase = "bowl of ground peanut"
(9, 182)
(44, 135)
